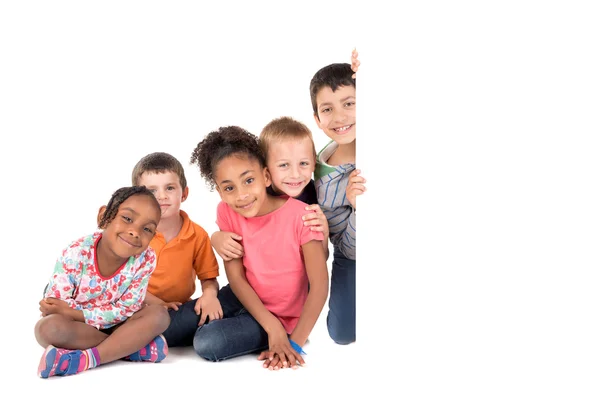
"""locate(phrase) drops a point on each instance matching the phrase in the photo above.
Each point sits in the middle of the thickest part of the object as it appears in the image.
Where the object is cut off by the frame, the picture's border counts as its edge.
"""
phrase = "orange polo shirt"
(179, 262)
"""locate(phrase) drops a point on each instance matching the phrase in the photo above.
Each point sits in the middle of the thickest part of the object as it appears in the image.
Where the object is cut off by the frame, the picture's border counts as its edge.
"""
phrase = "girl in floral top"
(92, 307)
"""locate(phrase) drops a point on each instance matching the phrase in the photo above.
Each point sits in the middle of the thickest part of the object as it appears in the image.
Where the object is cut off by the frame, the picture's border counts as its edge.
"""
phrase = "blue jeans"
(235, 335)
(341, 318)
(184, 321)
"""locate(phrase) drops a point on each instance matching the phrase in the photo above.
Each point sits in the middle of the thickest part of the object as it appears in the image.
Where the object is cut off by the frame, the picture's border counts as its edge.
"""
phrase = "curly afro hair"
(222, 143)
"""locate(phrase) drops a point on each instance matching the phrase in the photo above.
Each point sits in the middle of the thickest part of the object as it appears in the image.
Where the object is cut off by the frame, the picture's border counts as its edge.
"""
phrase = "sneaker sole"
(47, 362)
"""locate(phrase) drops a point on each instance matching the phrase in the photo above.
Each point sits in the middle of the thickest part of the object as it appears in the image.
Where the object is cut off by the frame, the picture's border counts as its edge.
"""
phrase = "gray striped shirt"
(331, 182)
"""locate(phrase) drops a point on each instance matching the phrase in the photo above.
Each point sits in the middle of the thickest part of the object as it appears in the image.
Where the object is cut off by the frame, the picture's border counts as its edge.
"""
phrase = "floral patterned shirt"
(105, 301)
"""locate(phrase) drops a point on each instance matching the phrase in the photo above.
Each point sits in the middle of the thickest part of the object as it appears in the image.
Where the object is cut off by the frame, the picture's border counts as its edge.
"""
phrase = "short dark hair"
(158, 162)
(222, 143)
(332, 76)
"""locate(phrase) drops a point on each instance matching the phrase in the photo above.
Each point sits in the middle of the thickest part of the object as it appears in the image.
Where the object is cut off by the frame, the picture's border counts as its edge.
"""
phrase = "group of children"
(125, 291)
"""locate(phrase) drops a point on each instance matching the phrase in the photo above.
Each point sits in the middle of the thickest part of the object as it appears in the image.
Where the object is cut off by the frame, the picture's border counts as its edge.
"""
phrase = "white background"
(478, 135)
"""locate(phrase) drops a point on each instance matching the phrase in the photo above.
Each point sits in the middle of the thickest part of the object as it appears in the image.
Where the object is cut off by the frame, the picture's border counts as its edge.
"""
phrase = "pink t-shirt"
(273, 256)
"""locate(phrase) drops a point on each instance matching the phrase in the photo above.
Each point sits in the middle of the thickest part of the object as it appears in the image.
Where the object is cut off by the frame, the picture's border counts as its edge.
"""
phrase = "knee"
(341, 333)
(50, 330)
(341, 338)
(159, 316)
(206, 343)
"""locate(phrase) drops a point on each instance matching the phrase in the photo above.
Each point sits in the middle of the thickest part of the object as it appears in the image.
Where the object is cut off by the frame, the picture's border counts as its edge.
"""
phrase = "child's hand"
(227, 246)
(52, 305)
(316, 219)
(355, 187)
(355, 63)
(267, 364)
(208, 306)
(280, 353)
(172, 305)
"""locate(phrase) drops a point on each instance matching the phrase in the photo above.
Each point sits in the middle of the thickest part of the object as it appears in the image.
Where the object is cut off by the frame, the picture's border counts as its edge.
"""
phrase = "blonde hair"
(284, 128)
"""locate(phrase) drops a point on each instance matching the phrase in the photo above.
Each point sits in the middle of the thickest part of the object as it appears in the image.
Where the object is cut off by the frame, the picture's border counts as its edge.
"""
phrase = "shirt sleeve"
(342, 229)
(306, 235)
(341, 216)
(223, 220)
(64, 279)
(131, 301)
(205, 262)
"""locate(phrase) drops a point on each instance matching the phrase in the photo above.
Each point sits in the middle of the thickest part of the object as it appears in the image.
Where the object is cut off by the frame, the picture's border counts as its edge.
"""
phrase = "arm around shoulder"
(227, 245)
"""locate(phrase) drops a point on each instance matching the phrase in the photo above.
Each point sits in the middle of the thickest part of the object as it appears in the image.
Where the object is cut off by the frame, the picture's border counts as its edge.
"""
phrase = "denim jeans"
(237, 334)
(341, 318)
(184, 323)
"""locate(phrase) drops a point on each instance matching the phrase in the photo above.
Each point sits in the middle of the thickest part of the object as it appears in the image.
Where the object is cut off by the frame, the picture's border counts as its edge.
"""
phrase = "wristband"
(297, 347)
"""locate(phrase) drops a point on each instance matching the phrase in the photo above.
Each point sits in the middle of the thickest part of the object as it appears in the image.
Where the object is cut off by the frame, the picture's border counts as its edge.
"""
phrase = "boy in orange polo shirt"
(183, 252)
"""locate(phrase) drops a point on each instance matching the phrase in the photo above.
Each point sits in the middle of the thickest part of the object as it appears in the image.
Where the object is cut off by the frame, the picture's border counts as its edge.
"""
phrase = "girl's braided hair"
(119, 197)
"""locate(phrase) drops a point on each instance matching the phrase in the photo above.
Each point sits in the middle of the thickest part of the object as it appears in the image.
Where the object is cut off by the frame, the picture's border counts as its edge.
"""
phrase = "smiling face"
(134, 225)
(336, 113)
(291, 163)
(167, 189)
(242, 184)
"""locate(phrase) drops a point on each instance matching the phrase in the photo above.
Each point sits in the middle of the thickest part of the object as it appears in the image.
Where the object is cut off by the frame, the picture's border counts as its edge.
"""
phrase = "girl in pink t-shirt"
(267, 306)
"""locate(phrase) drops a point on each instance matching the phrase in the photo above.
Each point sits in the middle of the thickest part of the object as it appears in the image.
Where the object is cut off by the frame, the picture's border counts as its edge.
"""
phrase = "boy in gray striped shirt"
(338, 182)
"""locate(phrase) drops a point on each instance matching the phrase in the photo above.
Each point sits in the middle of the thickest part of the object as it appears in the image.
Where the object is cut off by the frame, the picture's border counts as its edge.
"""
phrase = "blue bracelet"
(297, 347)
